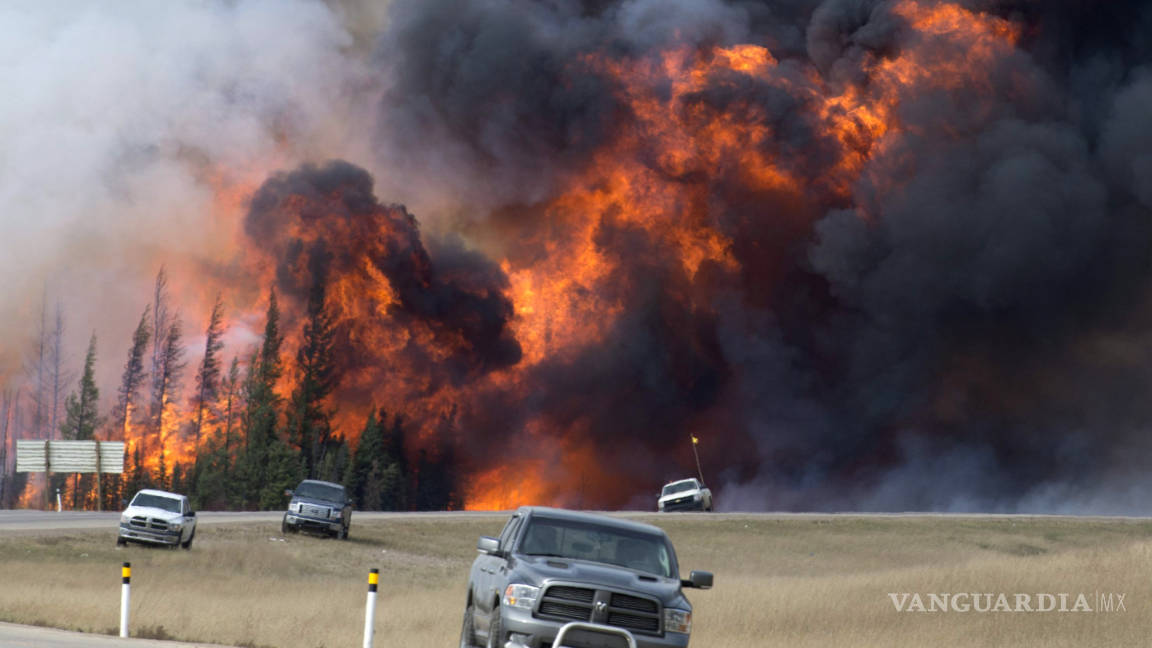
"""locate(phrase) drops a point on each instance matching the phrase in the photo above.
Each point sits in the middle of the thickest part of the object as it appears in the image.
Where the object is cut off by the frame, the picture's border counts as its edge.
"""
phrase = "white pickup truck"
(158, 517)
(684, 495)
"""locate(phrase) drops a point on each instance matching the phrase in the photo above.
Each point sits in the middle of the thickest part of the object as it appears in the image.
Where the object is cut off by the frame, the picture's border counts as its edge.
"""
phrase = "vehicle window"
(579, 540)
(321, 492)
(509, 531)
(679, 487)
(665, 562)
(156, 501)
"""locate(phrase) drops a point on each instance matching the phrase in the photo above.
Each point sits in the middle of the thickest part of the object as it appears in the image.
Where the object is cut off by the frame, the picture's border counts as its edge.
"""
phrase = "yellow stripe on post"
(125, 587)
(370, 607)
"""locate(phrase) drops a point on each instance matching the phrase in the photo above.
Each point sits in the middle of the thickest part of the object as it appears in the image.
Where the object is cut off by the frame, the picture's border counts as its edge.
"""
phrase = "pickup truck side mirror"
(287, 492)
(698, 579)
(191, 513)
(488, 545)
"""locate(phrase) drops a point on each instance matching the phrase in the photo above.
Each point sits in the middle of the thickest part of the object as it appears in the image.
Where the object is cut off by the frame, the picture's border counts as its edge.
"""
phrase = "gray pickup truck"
(320, 507)
(550, 567)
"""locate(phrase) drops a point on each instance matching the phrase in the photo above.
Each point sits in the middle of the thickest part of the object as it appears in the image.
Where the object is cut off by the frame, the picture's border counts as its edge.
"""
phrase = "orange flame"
(655, 176)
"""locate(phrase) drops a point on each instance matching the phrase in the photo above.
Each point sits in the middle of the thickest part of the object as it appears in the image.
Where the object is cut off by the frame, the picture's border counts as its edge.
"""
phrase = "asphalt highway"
(25, 520)
(20, 636)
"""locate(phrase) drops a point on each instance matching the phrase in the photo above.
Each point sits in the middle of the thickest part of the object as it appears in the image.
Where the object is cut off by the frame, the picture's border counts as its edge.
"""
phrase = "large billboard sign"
(69, 456)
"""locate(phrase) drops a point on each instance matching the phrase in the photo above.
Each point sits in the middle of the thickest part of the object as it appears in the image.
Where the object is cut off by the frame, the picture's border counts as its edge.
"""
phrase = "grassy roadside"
(781, 581)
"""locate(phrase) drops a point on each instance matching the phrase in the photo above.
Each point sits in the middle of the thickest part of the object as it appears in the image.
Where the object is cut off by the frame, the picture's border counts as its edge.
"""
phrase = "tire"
(286, 528)
(188, 544)
(467, 634)
(495, 629)
(121, 542)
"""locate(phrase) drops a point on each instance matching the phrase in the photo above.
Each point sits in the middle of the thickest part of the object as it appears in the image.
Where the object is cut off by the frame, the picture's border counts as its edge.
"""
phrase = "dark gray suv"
(318, 506)
(550, 567)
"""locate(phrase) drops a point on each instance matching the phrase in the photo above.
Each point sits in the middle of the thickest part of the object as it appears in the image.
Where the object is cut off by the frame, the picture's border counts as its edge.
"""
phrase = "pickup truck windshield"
(156, 501)
(321, 492)
(679, 487)
(604, 544)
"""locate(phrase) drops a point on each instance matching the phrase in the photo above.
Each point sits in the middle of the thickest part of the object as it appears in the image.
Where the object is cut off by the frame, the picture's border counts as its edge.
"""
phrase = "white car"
(158, 517)
(684, 495)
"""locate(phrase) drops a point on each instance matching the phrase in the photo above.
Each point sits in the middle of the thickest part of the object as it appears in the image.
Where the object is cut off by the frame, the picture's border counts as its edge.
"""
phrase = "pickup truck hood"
(152, 512)
(603, 576)
(312, 501)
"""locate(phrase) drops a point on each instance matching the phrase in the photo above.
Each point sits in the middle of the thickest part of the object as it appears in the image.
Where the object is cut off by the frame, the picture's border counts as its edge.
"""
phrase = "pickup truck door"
(492, 571)
(185, 521)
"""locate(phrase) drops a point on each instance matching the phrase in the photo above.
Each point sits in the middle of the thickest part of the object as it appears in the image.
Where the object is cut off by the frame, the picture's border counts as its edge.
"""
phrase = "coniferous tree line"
(248, 442)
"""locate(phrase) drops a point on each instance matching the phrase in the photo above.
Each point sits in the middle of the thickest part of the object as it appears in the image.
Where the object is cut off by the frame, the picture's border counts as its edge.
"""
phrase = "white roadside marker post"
(370, 610)
(125, 580)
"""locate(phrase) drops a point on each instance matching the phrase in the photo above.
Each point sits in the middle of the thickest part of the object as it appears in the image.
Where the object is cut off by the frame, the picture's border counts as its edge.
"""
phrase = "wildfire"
(33, 495)
(435, 335)
(684, 135)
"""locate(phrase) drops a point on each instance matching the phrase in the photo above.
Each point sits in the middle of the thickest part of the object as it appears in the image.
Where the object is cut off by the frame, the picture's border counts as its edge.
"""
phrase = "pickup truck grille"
(565, 611)
(314, 511)
(682, 504)
(634, 603)
(568, 603)
(142, 522)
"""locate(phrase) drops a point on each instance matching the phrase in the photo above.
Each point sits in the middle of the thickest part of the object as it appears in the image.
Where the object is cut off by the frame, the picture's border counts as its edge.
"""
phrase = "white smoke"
(119, 120)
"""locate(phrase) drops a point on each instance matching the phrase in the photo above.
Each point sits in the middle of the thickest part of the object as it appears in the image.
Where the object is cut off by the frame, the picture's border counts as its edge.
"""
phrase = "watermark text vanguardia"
(983, 602)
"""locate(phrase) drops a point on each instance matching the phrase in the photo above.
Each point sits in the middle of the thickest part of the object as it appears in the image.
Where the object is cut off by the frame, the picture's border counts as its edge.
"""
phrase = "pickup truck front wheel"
(467, 635)
(495, 629)
(188, 543)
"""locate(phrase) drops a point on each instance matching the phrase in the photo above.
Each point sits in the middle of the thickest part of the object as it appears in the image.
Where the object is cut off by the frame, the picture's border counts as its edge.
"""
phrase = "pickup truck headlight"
(521, 596)
(334, 513)
(677, 621)
(696, 496)
(124, 518)
(175, 526)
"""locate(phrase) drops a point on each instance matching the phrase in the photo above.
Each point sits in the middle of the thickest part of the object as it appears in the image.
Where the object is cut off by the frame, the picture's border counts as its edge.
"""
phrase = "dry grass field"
(780, 581)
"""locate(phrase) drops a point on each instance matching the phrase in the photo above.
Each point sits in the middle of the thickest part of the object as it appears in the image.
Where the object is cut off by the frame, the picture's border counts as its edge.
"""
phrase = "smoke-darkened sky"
(875, 255)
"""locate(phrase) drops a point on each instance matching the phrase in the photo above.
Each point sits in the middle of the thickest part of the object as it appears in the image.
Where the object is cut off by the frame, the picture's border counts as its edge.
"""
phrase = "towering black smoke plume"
(324, 223)
(949, 307)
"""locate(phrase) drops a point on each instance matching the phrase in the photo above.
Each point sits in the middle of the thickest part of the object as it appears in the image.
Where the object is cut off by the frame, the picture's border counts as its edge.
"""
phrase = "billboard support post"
(99, 493)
